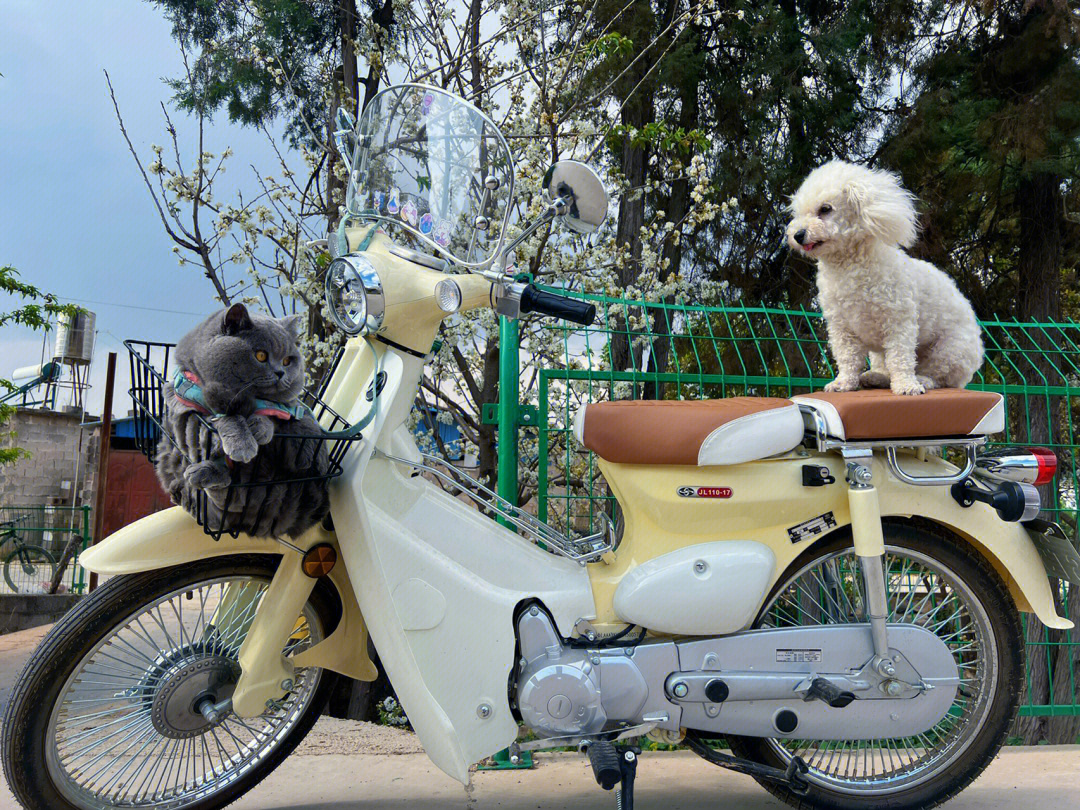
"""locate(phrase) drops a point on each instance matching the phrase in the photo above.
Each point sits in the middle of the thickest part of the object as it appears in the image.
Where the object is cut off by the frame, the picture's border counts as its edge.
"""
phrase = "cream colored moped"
(808, 579)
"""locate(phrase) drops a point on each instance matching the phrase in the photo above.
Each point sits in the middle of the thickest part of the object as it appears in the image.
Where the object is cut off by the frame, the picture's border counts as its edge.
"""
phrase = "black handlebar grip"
(558, 306)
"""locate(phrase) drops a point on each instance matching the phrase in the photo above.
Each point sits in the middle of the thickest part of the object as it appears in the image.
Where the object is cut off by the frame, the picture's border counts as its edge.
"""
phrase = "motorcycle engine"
(559, 688)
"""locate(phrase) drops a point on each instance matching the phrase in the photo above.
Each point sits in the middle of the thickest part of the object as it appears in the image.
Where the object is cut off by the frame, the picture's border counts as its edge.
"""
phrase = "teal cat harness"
(188, 389)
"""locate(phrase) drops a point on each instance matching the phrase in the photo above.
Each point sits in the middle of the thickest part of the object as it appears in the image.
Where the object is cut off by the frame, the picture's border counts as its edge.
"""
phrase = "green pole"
(508, 407)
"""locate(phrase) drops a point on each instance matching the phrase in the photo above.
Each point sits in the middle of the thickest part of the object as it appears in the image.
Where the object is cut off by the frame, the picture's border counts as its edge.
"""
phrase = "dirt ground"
(345, 765)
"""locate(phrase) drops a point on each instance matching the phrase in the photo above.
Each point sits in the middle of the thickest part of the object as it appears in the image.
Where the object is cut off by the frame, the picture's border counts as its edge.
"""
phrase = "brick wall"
(49, 476)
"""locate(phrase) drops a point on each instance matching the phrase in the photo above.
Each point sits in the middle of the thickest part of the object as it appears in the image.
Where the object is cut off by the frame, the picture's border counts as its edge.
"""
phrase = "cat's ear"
(236, 320)
(292, 324)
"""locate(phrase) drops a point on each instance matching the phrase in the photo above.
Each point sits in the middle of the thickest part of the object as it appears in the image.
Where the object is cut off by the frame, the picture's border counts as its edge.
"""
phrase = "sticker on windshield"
(427, 223)
(425, 105)
(393, 205)
(408, 213)
(442, 233)
(377, 200)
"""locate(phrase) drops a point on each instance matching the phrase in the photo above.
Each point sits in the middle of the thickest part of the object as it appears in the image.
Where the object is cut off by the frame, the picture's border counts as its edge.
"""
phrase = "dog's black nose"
(800, 236)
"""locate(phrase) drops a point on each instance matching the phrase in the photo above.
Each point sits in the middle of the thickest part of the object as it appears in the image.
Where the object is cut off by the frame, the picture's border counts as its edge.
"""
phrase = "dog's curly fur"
(907, 315)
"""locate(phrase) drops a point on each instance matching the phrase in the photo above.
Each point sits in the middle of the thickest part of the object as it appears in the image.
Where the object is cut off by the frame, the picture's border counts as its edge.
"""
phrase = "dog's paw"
(927, 383)
(907, 387)
(843, 384)
(874, 379)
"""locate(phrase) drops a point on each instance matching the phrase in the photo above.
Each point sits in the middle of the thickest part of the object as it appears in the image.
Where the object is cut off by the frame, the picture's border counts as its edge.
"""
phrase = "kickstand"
(624, 794)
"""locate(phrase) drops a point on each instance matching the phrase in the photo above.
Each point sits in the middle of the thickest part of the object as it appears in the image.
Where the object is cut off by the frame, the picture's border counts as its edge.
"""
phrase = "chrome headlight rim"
(358, 270)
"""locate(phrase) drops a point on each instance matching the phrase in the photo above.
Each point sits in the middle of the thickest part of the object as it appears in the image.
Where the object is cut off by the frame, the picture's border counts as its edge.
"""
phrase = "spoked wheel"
(28, 567)
(115, 708)
(935, 582)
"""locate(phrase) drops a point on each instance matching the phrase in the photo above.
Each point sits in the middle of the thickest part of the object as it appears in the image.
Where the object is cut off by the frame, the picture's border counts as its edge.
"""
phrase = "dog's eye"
(825, 209)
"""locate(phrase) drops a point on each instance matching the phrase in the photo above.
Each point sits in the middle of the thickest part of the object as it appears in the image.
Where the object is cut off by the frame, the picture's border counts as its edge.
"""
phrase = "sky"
(75, 217)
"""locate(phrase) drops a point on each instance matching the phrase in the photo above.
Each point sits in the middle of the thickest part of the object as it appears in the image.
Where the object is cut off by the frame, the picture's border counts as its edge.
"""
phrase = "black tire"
(1005, 624)
(36, 555)
(25, 726)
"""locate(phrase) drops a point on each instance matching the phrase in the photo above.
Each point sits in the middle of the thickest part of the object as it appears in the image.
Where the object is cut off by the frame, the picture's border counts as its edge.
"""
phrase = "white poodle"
(917, 328)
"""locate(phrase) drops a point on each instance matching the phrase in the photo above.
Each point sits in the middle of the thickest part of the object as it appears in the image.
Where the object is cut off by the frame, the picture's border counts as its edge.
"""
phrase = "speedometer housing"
(354, 294)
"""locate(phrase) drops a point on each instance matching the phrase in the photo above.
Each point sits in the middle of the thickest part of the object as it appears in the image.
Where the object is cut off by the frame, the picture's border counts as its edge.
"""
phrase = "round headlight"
(354, 294)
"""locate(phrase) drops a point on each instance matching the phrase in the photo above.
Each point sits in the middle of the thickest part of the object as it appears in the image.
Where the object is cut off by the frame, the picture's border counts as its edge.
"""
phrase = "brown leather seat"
(701, 432)
(879, 414)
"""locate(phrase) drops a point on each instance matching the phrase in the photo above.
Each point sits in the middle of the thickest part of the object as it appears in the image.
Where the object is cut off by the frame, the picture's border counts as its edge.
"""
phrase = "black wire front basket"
(239, 507)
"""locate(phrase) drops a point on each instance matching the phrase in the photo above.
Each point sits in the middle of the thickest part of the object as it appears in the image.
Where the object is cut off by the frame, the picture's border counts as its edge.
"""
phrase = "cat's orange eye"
(261, 356)
(286, 361)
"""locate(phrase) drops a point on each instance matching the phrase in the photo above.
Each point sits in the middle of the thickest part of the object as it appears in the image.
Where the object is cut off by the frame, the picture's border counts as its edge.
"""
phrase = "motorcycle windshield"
(435, 166)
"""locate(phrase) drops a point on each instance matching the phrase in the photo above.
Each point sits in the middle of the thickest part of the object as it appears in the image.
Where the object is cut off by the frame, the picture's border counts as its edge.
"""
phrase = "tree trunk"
(677, 206)
(1038, 202)
(636, 92)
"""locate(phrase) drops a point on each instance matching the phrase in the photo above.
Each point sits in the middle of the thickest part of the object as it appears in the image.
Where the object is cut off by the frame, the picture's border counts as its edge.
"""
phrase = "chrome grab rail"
(815, 425)
(579, 549)
(932, 480)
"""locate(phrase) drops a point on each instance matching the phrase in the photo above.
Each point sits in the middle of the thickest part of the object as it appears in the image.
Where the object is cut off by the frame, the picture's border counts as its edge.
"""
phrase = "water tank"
(75, 338)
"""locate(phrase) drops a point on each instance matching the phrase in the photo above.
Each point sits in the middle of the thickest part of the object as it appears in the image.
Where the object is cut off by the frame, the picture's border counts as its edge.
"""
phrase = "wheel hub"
(185, 686)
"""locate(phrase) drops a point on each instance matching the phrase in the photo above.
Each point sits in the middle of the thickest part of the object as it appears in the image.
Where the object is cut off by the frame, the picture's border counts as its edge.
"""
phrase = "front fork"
(267, 675)
(870, 549)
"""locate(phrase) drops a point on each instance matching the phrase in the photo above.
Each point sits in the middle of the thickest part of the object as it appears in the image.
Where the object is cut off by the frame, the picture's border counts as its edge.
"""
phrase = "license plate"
(1058, 552)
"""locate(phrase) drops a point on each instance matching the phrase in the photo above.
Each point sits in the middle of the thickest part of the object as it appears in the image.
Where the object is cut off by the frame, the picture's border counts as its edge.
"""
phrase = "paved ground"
(320, 777)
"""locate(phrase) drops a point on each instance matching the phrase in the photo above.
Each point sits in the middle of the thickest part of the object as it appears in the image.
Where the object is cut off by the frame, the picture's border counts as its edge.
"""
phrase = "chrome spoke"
(116, 740)
(922, 591)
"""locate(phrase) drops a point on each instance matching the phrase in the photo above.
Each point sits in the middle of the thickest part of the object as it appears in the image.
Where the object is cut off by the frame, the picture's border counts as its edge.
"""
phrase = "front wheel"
(936, 581)
(28, 567)
(106, 713)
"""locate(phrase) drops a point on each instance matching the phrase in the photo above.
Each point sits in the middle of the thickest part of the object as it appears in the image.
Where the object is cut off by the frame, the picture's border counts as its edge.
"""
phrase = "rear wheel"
(107, 712)
(28, 568)
(939, 584)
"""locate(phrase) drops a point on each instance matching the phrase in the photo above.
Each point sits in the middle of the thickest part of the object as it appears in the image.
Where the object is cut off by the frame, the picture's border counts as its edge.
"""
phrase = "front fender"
(1007, 546)
(172, 537)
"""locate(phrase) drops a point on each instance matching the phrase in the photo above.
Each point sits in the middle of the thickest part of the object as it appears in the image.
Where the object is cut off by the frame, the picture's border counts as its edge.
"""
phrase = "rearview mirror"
(581, 190)
(345, 135)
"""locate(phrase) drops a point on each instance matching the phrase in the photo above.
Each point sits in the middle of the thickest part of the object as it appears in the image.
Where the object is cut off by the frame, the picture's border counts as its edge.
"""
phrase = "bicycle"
(34, 562)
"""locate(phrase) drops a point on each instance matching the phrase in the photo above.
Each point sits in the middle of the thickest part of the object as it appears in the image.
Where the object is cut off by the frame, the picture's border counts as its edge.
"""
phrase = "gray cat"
(243, 374)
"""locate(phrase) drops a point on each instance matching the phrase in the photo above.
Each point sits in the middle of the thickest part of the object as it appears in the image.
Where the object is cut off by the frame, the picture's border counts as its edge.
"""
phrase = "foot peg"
(615, 766)
(606, 765)
(826, 690)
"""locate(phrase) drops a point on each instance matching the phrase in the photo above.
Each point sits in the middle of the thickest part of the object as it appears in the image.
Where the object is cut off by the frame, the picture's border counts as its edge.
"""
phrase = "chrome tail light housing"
(1025, 465)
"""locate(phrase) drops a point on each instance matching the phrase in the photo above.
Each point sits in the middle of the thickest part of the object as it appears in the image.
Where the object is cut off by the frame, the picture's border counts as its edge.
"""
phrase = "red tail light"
(1048, 464)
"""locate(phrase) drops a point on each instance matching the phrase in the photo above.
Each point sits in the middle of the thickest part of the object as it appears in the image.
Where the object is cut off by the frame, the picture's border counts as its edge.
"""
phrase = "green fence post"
(509, 385)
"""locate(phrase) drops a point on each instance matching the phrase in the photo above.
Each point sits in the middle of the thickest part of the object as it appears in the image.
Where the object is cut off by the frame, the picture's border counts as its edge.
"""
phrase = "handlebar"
(558, 306)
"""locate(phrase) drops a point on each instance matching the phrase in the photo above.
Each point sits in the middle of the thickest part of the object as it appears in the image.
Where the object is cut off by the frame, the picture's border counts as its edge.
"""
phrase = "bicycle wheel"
(29, 567)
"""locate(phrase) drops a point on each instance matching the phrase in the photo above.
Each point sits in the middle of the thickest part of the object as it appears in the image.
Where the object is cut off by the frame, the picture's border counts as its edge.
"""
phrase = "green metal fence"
(32, 544)
(682, 351)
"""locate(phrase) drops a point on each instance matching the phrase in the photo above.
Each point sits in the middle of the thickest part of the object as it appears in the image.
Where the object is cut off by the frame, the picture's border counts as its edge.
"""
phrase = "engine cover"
(562, 698)
(565, 691)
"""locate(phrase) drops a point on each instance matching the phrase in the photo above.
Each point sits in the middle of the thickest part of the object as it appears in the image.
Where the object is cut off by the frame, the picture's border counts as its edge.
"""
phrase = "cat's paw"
(236, 439)
(241, 448)
(262, 428)
(907, 386)
(843, 384)
(207, 475)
